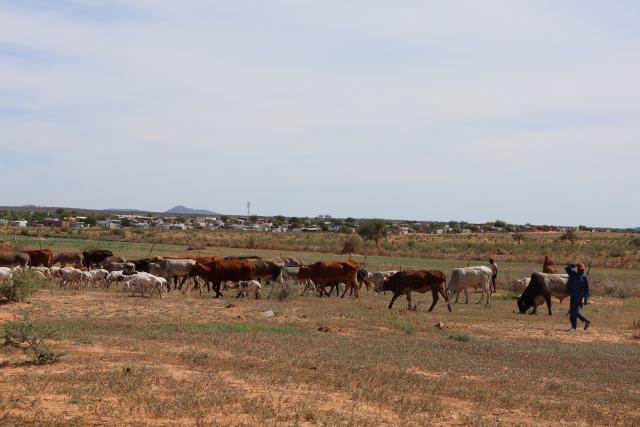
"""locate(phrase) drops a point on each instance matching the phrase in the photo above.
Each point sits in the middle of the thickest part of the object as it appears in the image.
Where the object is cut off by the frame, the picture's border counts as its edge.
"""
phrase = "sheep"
(70, 275)
(99, 275)
(146, 281)
(245, 287)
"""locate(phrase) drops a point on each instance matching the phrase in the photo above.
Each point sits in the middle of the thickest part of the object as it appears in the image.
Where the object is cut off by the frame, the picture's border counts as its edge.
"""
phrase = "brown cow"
(113, 258)
(74, 258)
(16, 259)
(549, 266)
(222, 270)
(40, 257)
(327, 273)
(405, 282)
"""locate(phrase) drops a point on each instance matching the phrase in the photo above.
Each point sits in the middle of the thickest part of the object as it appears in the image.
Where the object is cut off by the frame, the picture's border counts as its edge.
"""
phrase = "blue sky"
(525, 111)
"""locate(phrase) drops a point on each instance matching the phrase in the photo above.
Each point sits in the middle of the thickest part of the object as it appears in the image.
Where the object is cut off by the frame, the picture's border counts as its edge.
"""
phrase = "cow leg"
(466, 295)
(216, 287)
(346, 288)
(547, 298)
(409, 299)
(457, 296)
(393, 298)
(356, 287)
(446, 298)
(184, 279)
(434, 294)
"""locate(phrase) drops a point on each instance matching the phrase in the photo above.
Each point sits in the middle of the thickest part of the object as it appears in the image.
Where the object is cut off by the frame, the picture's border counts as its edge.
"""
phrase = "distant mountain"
(183, 210)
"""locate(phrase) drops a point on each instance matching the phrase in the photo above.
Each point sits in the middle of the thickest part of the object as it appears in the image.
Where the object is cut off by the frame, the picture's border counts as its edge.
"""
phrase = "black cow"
(142, 264)
(540, 289)
(95, 258)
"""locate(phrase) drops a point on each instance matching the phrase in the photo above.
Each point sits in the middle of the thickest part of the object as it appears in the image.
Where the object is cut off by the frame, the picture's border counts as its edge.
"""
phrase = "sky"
(525, 111)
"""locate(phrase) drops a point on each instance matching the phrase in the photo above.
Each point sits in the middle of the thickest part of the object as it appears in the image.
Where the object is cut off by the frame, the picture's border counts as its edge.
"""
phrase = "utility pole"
(248, 209)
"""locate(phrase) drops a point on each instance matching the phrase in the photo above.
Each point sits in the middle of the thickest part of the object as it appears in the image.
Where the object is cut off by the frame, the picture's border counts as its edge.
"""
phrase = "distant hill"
(183, 210)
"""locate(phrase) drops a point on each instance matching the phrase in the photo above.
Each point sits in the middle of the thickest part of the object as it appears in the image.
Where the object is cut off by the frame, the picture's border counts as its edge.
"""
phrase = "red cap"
(580, 266)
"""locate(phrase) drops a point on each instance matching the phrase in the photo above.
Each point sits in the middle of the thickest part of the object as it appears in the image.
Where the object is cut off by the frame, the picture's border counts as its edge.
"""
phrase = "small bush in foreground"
(30, 338)
(21, 286)
(459, 337)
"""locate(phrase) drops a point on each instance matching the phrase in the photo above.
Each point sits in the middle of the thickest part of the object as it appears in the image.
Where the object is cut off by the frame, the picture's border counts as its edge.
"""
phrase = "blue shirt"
(578, 284)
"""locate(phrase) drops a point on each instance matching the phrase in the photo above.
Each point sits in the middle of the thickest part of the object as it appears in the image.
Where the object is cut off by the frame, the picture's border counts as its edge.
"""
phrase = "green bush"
(21, 286)
(22, 333)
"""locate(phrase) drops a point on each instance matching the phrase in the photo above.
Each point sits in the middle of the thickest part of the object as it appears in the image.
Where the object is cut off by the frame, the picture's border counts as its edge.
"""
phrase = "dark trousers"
(574, 313)
(493, 281)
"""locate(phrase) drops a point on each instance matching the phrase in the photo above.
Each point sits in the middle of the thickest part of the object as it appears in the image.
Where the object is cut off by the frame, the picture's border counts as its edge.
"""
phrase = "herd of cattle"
(159, 274)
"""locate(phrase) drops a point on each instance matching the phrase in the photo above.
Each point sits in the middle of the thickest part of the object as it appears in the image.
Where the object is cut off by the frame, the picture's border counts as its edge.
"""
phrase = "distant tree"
(346, 230)
(373, 229)
(570, 235)
(295, 222)
(500, 223)
(253, 219)
(60, 212)
(92, 221)
(125, 222)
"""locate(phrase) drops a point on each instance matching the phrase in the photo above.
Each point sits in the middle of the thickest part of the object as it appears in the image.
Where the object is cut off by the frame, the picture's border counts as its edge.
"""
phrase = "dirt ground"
(202, 361)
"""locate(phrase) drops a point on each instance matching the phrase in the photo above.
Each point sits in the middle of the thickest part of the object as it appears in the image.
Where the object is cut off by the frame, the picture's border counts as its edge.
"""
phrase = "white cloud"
(408, 109)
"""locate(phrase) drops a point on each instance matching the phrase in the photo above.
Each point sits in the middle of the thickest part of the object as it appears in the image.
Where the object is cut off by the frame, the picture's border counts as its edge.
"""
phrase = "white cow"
(470, 277)
(520, 284)
(246, 287)
(173, 268)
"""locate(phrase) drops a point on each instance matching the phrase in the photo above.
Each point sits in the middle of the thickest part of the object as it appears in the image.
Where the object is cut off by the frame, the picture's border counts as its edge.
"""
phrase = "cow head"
(523, 305)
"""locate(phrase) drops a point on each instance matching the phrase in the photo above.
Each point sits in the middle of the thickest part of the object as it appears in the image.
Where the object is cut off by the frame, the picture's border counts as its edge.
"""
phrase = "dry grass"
(198, 360)
(611, 250)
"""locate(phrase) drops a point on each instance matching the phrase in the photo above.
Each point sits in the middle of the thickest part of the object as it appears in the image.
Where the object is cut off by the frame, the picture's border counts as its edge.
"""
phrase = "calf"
(405, 282)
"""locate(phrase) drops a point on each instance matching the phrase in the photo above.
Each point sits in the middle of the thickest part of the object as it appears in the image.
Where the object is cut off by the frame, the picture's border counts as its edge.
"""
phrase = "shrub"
(21, 286)
(459, 337)
(30, 338)
(351, 244)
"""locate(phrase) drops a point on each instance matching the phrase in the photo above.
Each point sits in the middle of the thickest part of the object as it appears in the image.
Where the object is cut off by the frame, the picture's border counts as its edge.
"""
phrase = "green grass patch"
(404, 325)
(459, 337)
(507, 296)
(223, 328)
